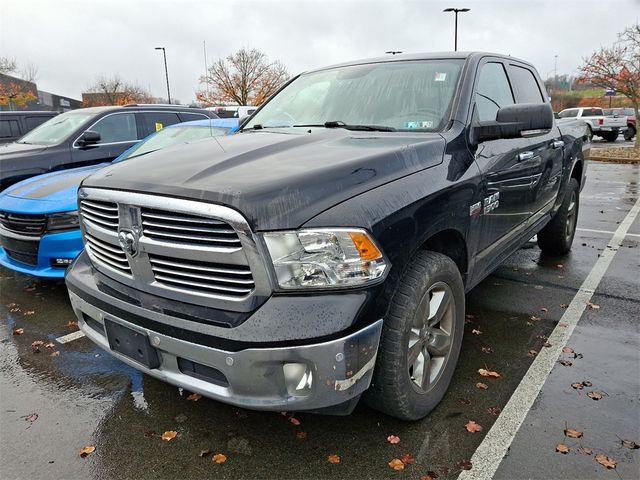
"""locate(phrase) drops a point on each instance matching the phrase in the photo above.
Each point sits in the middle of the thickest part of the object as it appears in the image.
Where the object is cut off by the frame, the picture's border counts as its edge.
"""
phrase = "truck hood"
(51, 192)
(278, 179)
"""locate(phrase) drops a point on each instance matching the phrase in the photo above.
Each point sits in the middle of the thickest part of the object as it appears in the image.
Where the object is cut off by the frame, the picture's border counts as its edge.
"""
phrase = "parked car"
(600, 125)
(39, 231)
(233, 111)
(323, 252)
(15, 124)
(86, 136)
(630, 115)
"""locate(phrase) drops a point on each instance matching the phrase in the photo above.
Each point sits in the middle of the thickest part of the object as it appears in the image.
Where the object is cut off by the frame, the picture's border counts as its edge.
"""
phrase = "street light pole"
(166, 72)
(456, 11)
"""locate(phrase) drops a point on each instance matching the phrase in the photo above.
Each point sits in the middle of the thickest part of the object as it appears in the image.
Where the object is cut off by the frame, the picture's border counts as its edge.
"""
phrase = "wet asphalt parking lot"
(82, 396)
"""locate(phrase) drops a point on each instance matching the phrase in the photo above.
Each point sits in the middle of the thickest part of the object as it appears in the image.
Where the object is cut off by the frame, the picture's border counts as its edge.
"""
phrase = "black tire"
(430, 277)
(557, 236)
(610, 136)
(629, 133)
(589, 133)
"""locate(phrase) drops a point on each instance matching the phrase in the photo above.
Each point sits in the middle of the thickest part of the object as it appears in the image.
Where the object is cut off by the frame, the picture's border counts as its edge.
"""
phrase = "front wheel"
(557, 236)
(421, 339)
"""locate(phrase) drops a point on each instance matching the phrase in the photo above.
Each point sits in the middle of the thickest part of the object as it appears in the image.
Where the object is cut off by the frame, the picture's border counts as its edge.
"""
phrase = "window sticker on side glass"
(439, 77)
(159, 126)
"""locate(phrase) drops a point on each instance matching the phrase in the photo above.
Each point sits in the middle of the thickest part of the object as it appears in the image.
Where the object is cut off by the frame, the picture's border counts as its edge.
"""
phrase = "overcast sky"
(72, 42)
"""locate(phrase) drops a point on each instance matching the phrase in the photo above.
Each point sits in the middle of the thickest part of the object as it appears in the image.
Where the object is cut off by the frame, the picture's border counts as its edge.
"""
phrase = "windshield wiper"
(365, 128)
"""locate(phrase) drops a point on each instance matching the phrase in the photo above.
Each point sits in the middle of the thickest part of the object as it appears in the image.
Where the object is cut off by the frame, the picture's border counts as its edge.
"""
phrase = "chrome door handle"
(557, 144)
(525, 156)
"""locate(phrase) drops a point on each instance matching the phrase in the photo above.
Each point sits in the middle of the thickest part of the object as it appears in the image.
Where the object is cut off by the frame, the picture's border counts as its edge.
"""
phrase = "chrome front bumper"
(302, 377)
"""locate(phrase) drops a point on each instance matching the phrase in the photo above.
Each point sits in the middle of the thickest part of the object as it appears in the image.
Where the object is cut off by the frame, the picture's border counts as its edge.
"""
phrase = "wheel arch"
(450, 242)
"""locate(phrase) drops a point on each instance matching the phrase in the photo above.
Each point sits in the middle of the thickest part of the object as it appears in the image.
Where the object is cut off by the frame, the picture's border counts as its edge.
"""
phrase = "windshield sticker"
(427, 124)
(440, 77)
(159, 126)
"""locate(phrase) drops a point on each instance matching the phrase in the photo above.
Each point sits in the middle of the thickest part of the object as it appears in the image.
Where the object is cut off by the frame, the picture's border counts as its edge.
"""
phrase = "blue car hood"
(52, 192)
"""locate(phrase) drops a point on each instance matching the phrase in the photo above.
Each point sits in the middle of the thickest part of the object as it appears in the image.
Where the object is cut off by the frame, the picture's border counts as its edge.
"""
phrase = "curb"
(630, 161)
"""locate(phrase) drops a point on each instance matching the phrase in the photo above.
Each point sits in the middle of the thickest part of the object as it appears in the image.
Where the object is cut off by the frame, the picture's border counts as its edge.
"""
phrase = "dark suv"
(86, 136)
(15, 124)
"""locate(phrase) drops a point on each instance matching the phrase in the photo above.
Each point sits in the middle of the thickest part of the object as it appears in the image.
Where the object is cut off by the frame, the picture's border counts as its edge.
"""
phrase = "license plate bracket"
(131, 344)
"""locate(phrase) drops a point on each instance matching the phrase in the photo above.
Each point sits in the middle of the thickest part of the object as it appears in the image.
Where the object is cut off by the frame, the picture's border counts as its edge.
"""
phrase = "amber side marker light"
(366, 248)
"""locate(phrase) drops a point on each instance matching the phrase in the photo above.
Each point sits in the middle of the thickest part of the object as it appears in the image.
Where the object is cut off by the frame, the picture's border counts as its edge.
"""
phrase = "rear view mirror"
(89, 138)
(514, 121)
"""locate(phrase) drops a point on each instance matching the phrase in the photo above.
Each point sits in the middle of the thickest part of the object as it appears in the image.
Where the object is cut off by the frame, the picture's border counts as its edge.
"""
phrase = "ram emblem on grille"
(128, 241)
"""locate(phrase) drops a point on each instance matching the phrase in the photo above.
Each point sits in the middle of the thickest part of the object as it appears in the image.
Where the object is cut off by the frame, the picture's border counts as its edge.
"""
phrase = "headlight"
(63, 221)
(325, 258)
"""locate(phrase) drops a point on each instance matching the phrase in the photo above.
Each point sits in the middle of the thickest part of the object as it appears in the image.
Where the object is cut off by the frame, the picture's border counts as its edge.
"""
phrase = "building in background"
(18, 94)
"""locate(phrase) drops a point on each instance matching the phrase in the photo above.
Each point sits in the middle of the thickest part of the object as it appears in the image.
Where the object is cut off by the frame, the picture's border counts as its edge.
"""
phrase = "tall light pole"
(166, 72)
(456, 11)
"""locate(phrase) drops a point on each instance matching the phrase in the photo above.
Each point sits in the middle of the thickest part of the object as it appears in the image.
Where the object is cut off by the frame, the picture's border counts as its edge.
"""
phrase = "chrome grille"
(102, 214)
(234, 280)
(112, 256)
(33, 225)
(188, 229)
(185, 250)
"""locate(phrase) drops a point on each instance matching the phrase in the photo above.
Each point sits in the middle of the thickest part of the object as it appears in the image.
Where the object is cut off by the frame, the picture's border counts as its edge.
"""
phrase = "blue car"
(39, 230)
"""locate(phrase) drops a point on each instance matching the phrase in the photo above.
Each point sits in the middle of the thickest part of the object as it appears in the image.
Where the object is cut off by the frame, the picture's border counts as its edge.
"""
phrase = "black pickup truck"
(323, 252)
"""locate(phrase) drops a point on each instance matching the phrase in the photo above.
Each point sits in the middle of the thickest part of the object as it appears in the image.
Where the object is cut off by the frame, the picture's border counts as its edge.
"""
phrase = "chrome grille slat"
(110, 263)
(206, 286)
(99, 222)
(110, 255)
(101, 206)
(158, 261)
(101, 214)
(188, 228)
(201, 276)
(190, 238)
(95, 212)
(181, 218)
(103, 246)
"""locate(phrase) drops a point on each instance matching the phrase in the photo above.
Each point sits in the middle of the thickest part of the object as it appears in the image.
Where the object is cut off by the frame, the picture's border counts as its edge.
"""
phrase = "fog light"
(298, 378)
(61, 262)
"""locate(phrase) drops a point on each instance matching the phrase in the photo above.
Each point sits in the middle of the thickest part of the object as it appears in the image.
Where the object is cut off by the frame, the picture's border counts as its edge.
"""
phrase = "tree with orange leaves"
(246, 77)
(15, 94)
(617, 67)
(114, 91)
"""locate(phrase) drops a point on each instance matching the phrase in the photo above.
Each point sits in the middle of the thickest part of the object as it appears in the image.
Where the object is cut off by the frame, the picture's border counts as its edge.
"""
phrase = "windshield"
(401, 95)
(56, 129)
(170, 136)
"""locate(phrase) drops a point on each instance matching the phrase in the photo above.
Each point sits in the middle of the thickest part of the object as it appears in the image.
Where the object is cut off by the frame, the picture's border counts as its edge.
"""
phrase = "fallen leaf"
(559, 265)
(546, 345)
(587, 383)
(566, 363)
(563, 325)
(473, 427)
(488, 373)
(429, 476)
(194, 397)
(219, 458)
(28, 312)
(475, 331)
(169, 435)
(396, 464)
(481, 386)
(18, 331)
(577, 386)
(408, 459)
(494, 410)
(562, 448)
(605, 461)
(535, 319)
(532, 353)
(567, 350)
(529, 324)
(630, 444)
(294, 420)
(538, 287)
(333, 458)
(204, 452)
(564, 305)
(573, 433)
(301, 435)
(88, 450)
(72, 324)
(465, 464)
(31, 418)
(49, 345)
(37, 343)
(54, 354)
(585, 450)
(393, 439)
(595, 395)
(464, 401)
(487, 350)
(593, 306)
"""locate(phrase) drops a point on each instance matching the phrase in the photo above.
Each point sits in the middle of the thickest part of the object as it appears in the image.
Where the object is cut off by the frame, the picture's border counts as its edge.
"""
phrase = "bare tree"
(29, 72)
(114, 91)
(8, 65)
(246, 77)
(617, 67)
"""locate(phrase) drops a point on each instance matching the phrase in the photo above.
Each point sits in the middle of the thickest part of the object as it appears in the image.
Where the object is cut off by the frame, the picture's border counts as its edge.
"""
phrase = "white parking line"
(606, 232)
(70, 337)
(494, 446)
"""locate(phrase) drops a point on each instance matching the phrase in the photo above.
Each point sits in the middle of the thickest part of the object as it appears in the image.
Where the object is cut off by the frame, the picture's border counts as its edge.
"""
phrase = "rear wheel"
(629, 133)
(421, 339)
(557, 236)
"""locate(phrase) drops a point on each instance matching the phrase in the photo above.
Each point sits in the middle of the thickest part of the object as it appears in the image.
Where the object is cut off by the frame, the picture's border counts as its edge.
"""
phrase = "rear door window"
(525, 85)
(188, 117)
(116, 128)
(9, 129)
(493, 91)
(155, 121)
(592, 112)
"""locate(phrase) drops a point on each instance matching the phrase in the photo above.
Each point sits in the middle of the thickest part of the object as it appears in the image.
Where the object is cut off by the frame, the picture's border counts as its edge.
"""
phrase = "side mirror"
(89, 138)
(515, 121)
